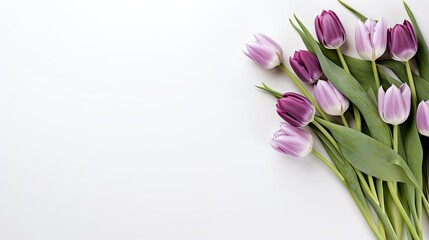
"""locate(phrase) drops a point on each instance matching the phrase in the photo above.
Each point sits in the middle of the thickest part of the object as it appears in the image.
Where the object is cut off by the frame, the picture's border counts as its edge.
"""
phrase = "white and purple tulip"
(402, 41)
(264, 51)
(371, 38)
(332, 101)
(422, 118)
(292, 141)
(394, 105)
(295, 109)
(329, 30)
(306, 66)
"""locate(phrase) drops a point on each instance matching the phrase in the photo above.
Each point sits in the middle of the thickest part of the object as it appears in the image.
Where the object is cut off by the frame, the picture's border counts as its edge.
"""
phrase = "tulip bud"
(330, 30)
(264, 52)
(402, 41)
(292, 141)
(332, 101)
(371, 38)
(306, 66)
(423, 118)
(295, 109)
(394, 104)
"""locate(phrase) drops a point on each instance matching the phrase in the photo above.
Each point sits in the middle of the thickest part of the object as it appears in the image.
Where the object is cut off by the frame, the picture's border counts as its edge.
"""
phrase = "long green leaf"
(355, 12)
(353, 185)
(371, 156)
(351, 88)
(422, 55)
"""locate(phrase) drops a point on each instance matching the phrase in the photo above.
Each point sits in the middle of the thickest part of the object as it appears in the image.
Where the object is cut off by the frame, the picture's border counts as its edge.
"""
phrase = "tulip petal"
(363, 41)
(422, 118)
(380, 38)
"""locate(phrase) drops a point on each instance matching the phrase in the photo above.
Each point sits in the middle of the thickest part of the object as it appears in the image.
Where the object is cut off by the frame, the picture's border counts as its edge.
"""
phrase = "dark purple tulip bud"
(402, 41)
(306, 66)
(330, 30)
(295, 109)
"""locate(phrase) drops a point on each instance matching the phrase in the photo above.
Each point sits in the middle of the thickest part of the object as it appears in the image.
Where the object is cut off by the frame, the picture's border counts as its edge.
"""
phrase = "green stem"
(329, 165)
(355, 109)
(358, 121)
(304, 91)
(344, 120)
(375, 72)
(327, 135)
(393, 193)
(380, 194)
(365, 185)
(372, 186)
(342, 60)
(411, 82)
(395, 138)
(270, 91)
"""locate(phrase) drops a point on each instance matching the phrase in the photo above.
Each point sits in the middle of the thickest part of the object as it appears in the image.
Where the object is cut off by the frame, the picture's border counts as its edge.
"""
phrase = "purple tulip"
(402, 41)
(423, 118)
(330, 30)
(292, 141)
(394, 104)
(371, 38)
(295, 109)
(332, 101)
(264, 51)
(306, 66)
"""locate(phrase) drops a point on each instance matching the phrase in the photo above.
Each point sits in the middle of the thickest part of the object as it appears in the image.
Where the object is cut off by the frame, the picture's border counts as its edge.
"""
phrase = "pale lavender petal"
(292, 141)
(394, 109)
(380, 98)
(363, 41)
(422, 118)
(380, 37)
(406, 97)
(330, 99)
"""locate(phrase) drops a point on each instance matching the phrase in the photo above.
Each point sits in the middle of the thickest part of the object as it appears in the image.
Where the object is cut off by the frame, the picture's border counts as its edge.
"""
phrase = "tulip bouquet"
(371, 115)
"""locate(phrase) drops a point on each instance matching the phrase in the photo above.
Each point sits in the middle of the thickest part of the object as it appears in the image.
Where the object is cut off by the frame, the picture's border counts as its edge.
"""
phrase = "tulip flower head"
(371, 38)
(264, 51)
(423, 118)
(306, 66)
(295, 109)
(394, 104)
(332, 101)
(292, 141)
(329, 30)
(402, 41)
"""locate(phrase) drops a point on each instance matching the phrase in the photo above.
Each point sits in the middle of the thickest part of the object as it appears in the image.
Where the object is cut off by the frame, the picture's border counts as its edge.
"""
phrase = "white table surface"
(127, 119)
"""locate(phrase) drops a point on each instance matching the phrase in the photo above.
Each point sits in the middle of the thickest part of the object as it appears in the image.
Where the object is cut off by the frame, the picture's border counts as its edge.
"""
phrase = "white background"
(139, 120)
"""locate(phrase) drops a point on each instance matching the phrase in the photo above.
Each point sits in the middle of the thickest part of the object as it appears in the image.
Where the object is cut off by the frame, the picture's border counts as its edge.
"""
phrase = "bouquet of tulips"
(380, 150)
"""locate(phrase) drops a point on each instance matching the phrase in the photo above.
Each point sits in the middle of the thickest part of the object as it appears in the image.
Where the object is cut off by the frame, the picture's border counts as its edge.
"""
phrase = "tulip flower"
(329, 30)
(295, 109)
(332, 101)
(371, 38)
(423, 118)
(264, 51)
(394, 104)
(402, 41)
(306, 66)
(292, 141)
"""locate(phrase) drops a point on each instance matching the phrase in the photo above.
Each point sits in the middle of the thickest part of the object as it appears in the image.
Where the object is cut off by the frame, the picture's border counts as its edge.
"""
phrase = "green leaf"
(422, 55)
(351, 88)
(371, 156)
(354, 187)
(352, 10)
